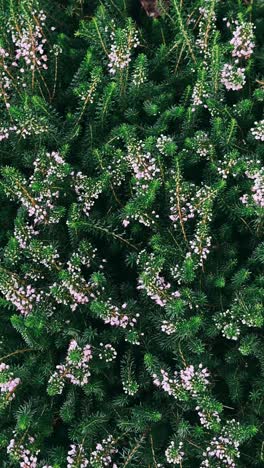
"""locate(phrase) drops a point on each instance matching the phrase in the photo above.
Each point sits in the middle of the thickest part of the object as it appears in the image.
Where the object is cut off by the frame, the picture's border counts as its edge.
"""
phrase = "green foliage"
(132, 220)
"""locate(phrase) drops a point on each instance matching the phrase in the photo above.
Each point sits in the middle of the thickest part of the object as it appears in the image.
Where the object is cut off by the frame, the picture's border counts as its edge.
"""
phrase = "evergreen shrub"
(132, 248)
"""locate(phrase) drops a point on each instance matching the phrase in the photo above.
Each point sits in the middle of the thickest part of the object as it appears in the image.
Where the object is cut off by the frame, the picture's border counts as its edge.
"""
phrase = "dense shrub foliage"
(132, 249)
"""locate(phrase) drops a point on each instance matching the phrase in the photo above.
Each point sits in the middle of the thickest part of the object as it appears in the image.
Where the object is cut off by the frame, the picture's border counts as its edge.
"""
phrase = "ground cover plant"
(132, 249)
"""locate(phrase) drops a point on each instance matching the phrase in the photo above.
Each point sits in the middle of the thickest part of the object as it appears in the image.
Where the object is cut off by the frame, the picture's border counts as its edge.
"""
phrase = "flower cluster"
(155, 285)
(49, 171)
(201, 242)
(75, 369)
(199, 95)
(174, 455)
(36, 250)
(39, 197)
(257, 188)
(258, 130)
(108, 352)
(226, 165)
(8, 384)
(194, 381)
(243, 40)
(232, 77)
(74, 289)
(231, 320)
(163, 142)
(102, 455)
(202, 144)
(87, 93)
(208, 418)
(168, 327)
(29, 43)
(143, 218)
(24, 455)
(28, 125)
(87, 191)
(200, 245)
(5, 79)
(156, 288)
(121, 48)
(117, 317)
(46, 255)
(190, 380)
(24, 234)
(223, 449)
(76, 457)
(229, 325)
(143, 164)
(130, 386)
(5, 131)
(139, 75)
(182, 206)
(23, 297)
(207, 20)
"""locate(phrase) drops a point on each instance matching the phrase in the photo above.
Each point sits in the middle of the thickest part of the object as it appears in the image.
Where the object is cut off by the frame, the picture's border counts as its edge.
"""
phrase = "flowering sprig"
(243, 40)
(201, 242)
(151, 281)
(258, 130)
(24, 233)
(29, 42)
(28, 124)
(165, 144)
(107, 352)
(87, 191)
(207, 27)
(232, 77)
(38, 198)
(76, 457)
(223, 449)
(8, 385)
(86, 92)
(229, 165)
(143, 164)
(123, 41)
(103, 453)
(128, 375)
(25, 454)
(23, 296)
(24, 58)
(229, 325)
(49, 172)
(182, 202)
(191, 383)
(139, 75)
(174, 455)
(190, 380)
(34, 249)
(257, 188)
(199, 95)
(168, 327)
(186, 203)
(203, 145)
(76, 368)
(114, 315)
(239, 315)
(73, 289)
